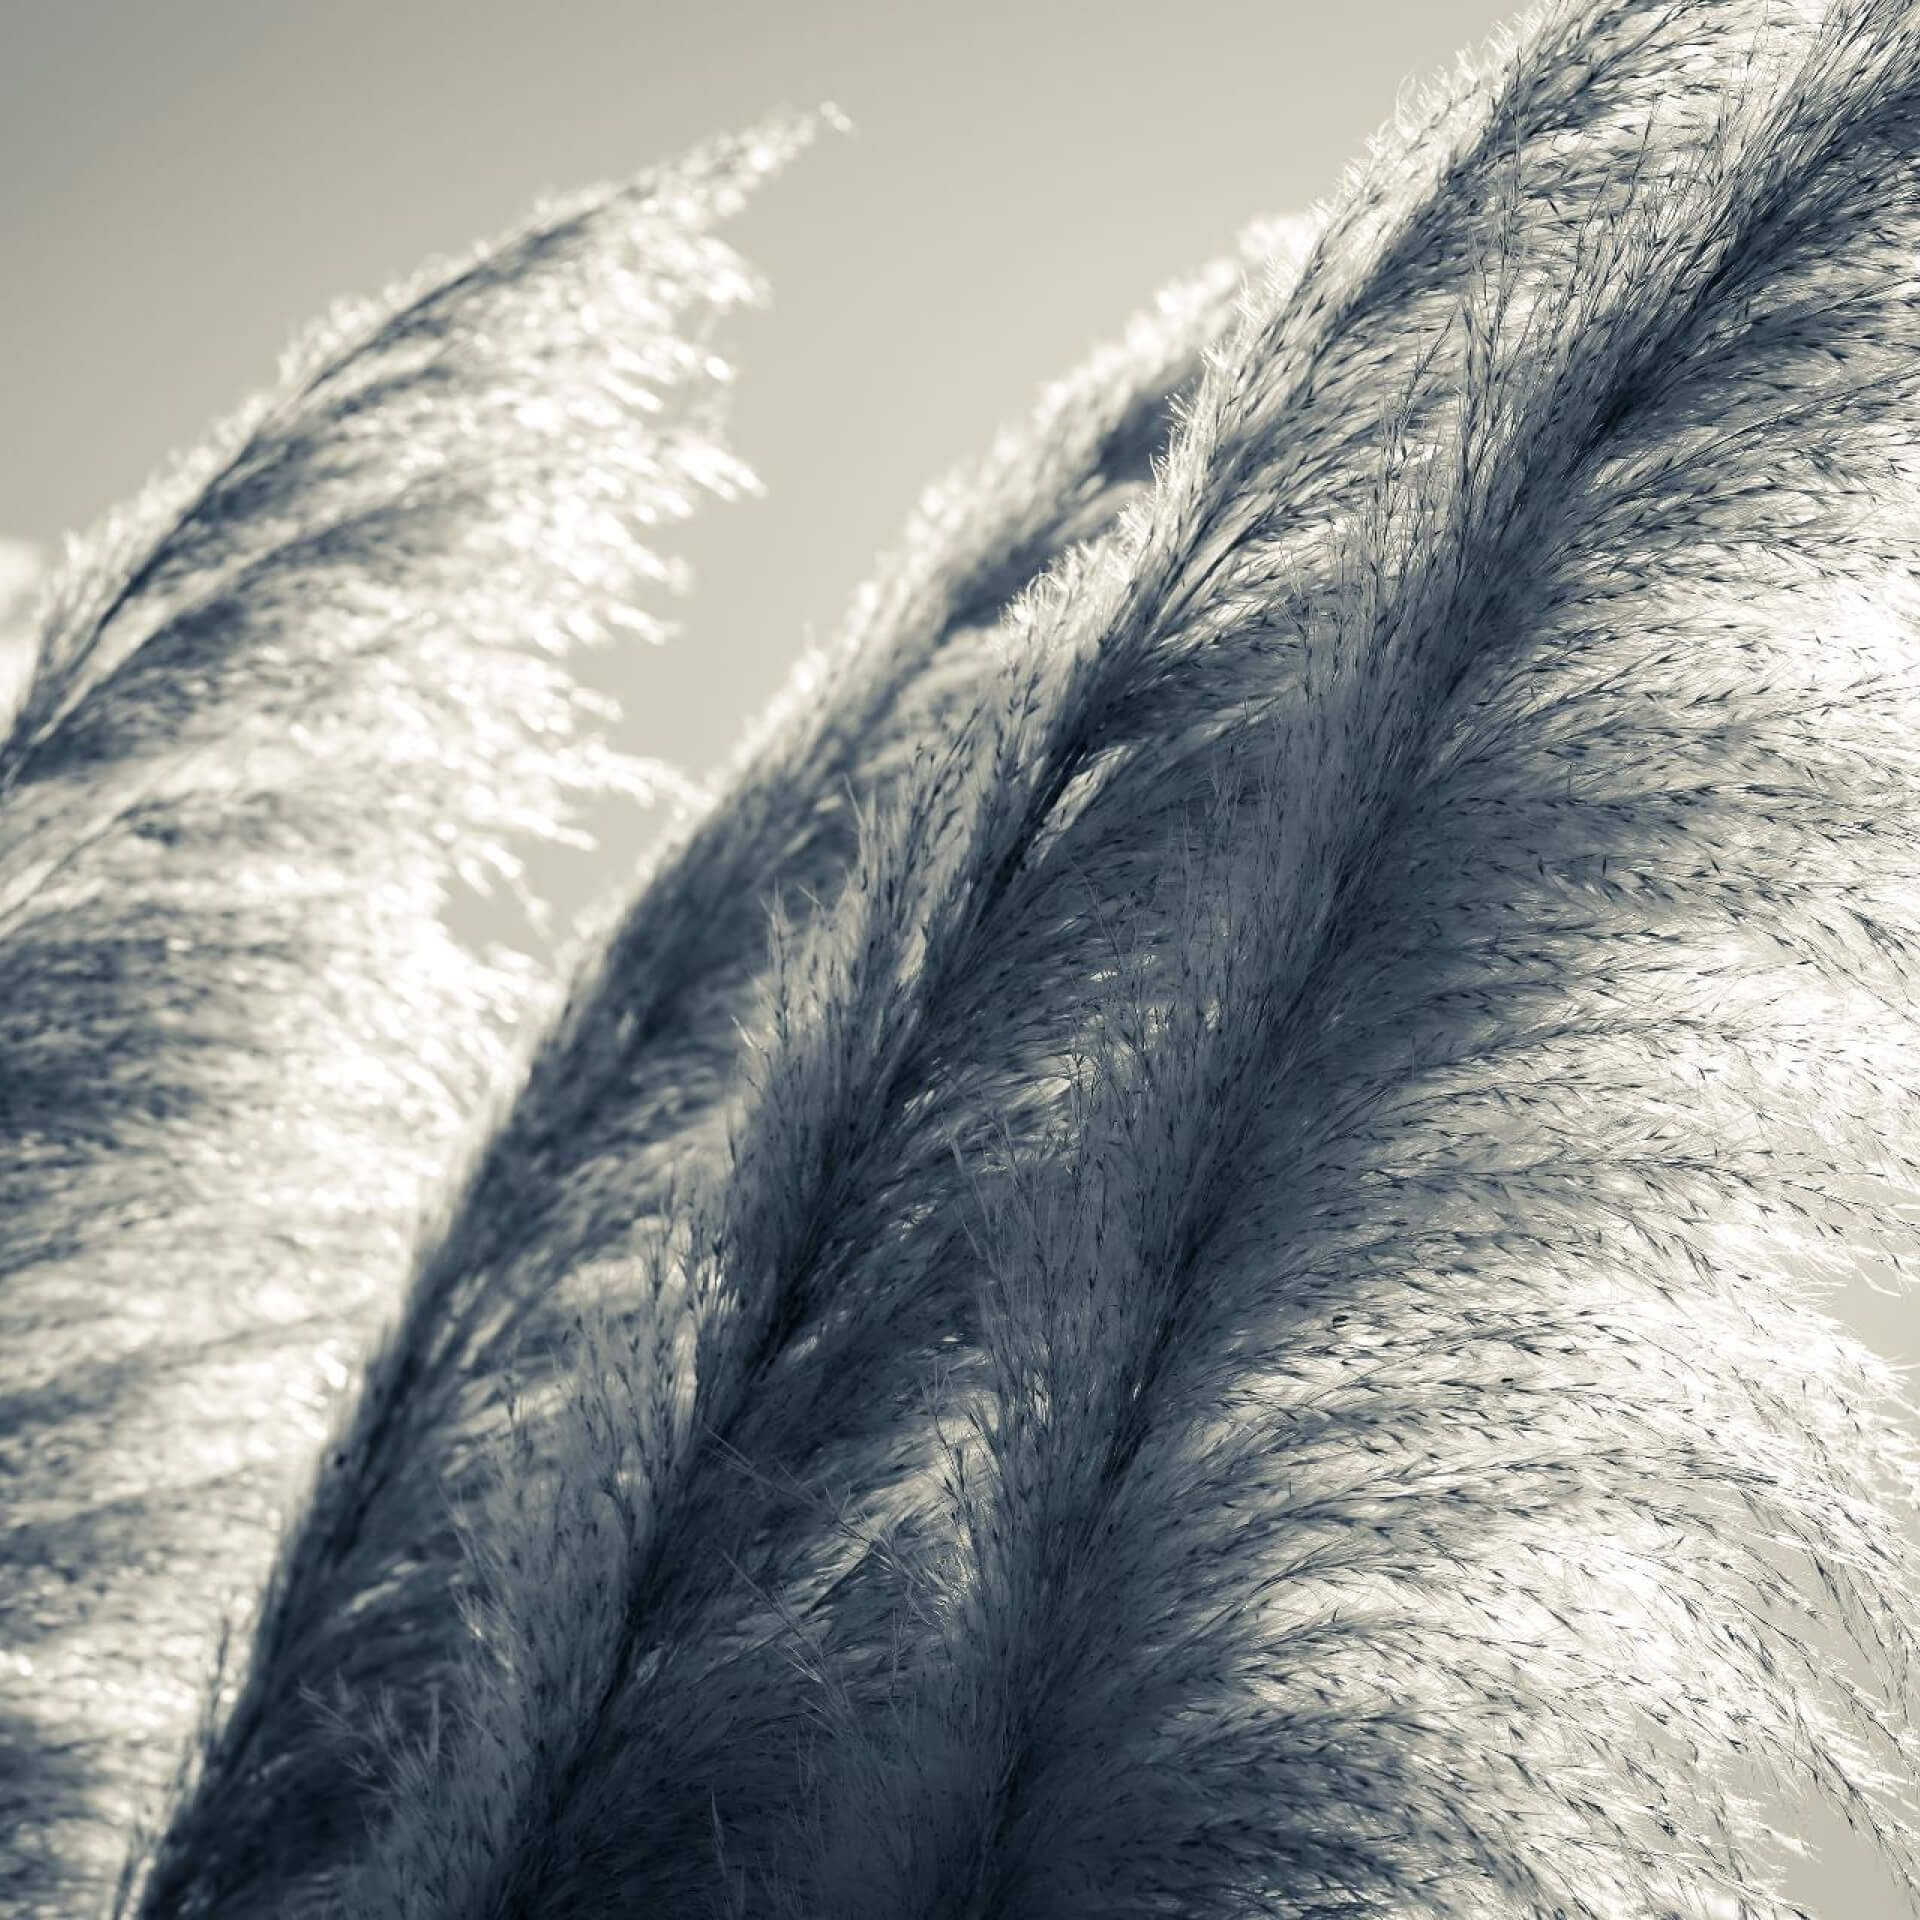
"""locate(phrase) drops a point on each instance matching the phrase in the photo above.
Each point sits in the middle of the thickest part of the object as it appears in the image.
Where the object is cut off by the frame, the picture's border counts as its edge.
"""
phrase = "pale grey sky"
(186, 183)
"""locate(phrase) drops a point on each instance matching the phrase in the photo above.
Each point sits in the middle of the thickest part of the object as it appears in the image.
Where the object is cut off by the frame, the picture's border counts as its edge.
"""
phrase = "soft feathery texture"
(1201, 1211)
(276, 709)
(360, 1601)
(635, 1065)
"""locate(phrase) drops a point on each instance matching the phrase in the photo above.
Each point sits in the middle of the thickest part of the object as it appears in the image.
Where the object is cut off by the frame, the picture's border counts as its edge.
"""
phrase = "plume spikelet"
(314, 675)
(641, 1055)
(1228, 1358)
(1181, 1260)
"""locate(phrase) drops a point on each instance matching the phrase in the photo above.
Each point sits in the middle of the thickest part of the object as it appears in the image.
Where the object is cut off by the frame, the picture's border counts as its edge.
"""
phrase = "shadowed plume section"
(314, 674)
(1180, 1261)
(640, 1059)
(1249, 1333)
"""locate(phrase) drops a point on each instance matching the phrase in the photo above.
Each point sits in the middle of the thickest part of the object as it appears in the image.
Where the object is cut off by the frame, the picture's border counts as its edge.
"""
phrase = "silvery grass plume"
(1249, 1334)
(363, 1606)
(1202, 1210)
(311, 677)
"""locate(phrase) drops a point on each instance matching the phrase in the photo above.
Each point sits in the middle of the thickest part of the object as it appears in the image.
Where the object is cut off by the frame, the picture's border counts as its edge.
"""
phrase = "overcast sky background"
(187, 183)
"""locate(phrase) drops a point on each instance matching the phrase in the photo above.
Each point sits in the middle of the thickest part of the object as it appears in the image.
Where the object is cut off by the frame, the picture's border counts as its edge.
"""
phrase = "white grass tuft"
(1179, 1262)
(275, 708)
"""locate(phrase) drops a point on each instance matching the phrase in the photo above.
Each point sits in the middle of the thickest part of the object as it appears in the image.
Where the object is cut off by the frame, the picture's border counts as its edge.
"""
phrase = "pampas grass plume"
(1180, 1258)
(276, 708)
